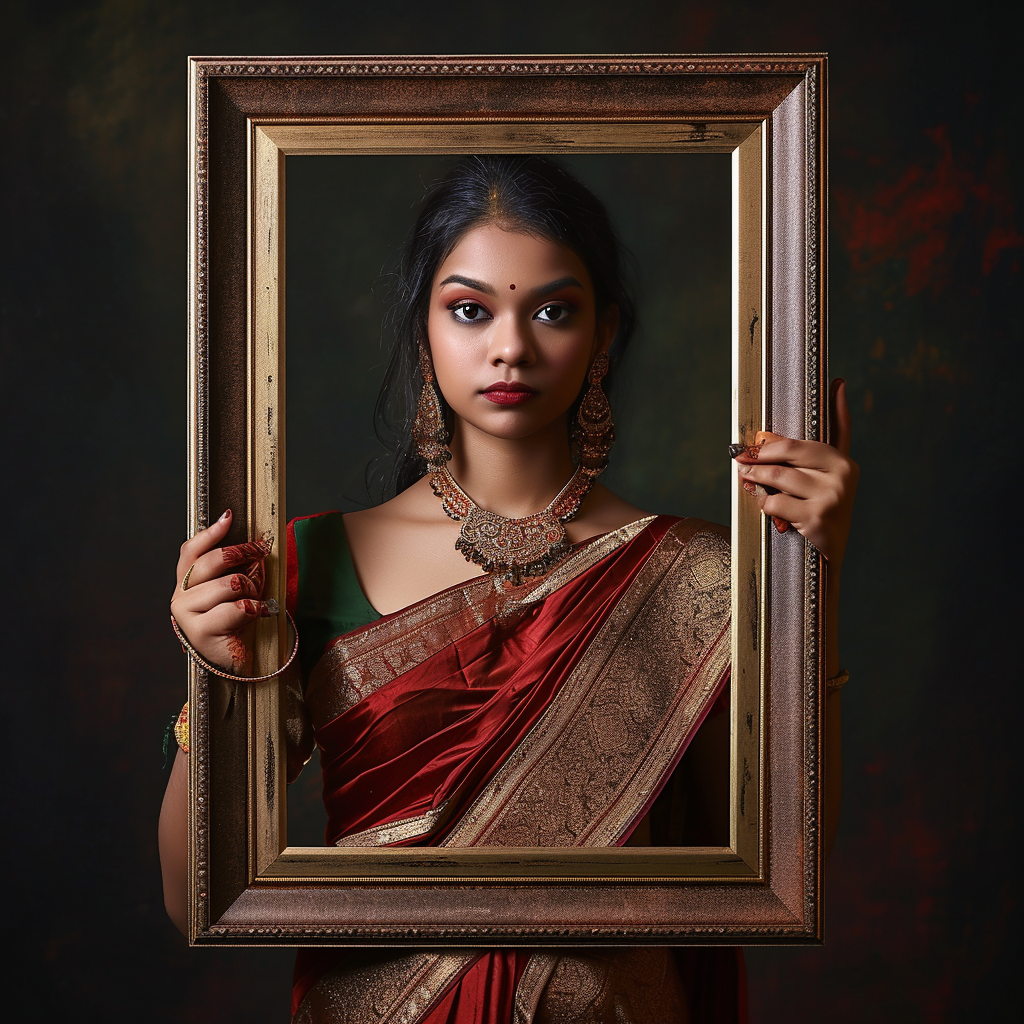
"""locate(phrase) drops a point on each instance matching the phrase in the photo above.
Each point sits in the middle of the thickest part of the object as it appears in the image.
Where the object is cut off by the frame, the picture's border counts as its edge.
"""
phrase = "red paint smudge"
(1000, 239)
(918, 218)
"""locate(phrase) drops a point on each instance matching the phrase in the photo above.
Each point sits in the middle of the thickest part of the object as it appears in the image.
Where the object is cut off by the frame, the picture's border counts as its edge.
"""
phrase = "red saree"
(549, 714)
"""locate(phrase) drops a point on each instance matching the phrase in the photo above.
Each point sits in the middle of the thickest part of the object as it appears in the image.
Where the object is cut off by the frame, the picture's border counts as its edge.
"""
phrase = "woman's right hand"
(224, 594)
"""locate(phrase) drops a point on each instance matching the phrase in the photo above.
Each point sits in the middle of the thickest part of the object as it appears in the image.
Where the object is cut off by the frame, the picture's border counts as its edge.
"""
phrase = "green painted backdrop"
(922, 890)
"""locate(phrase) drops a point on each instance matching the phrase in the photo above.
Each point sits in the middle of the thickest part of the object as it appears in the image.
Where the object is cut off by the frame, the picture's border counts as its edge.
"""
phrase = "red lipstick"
(508, 392)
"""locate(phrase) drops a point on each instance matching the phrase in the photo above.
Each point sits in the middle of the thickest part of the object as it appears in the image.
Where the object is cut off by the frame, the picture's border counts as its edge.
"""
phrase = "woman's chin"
(516, 423)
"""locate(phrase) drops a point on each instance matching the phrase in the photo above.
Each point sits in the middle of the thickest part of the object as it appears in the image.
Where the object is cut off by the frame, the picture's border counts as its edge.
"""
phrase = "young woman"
(505, 652)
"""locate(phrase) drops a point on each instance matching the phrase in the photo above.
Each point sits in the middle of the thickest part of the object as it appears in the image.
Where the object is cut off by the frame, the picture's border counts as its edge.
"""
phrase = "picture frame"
(247, 116)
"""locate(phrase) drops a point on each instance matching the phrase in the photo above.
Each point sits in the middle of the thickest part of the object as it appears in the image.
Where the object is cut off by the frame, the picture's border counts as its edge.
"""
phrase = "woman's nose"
(511, 343)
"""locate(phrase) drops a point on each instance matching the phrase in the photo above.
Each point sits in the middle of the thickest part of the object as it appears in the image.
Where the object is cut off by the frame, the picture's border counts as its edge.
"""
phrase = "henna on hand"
(250, 556)
(239, 654)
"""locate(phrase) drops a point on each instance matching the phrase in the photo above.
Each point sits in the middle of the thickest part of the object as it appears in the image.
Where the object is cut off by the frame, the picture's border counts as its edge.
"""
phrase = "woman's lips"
(508, 392)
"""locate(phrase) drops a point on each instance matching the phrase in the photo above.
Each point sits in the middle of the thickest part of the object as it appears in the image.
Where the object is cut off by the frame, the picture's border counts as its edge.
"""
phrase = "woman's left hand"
(808, 484)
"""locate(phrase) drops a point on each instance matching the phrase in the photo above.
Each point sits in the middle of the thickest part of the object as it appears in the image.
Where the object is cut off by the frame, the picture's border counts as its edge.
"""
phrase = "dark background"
(926, 240)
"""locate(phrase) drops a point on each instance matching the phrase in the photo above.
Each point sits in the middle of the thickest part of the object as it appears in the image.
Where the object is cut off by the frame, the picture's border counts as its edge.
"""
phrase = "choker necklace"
(514, 548)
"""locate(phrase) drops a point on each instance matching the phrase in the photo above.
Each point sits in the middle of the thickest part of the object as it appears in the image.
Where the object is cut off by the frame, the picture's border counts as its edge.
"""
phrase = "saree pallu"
(549, 714)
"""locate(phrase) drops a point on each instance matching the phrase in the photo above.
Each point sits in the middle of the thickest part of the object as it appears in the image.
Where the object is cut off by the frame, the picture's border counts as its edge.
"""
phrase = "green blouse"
(328, 599)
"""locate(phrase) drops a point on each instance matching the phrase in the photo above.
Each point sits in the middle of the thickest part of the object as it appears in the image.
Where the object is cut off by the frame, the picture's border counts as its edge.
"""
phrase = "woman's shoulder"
(606, 512)
(316, 544)
(415, 504)
(603, 512)
(334, 529)
(323, 591)
(316, 531)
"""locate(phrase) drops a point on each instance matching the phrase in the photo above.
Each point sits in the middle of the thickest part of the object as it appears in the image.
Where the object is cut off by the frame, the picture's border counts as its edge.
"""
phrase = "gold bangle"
(837, 682)
(181, 728)
(198, 659)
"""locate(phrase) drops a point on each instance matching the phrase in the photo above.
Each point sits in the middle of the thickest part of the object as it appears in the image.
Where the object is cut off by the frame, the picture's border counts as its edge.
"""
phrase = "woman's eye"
(552, 314)
(469, 312)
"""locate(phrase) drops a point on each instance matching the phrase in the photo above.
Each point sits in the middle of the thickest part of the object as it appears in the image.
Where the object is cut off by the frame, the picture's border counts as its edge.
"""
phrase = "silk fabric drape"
(591, 681)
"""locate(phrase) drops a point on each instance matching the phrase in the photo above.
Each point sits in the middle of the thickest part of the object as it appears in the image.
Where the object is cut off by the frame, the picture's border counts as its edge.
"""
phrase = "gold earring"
(596, 431)
(428, 429)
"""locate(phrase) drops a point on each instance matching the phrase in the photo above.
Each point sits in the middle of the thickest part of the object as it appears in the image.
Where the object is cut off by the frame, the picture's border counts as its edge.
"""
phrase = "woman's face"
(513, 330)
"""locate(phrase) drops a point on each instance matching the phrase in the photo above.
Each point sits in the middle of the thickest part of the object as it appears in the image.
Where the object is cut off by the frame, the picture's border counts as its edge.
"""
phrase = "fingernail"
(750, 450)
(226, 515)
(749, 487)
(236, 584)
(781, 525)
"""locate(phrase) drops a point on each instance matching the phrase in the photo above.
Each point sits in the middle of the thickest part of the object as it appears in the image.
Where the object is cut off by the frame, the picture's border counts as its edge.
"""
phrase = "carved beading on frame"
(332, 66)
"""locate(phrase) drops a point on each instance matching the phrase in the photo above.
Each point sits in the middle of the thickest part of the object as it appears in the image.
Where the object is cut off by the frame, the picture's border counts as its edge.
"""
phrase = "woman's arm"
(812, 486)
(173, 843)
(220, 596)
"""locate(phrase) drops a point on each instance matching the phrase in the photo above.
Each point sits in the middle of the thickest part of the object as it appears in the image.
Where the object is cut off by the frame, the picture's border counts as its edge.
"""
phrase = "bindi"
(512, 287)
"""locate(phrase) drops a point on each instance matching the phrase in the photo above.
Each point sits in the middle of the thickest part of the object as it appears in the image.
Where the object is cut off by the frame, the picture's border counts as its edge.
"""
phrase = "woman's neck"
(512, 477)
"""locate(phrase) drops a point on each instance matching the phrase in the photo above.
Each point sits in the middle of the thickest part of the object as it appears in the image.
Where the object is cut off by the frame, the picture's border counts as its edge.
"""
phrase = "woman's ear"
(607, 327)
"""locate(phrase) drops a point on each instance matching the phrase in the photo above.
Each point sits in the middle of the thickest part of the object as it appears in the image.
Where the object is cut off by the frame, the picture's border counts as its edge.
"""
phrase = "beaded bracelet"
(202, 663)
(837, 682)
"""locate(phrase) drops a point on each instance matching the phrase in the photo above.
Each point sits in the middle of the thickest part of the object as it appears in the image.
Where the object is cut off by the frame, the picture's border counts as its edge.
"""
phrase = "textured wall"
(925, 249)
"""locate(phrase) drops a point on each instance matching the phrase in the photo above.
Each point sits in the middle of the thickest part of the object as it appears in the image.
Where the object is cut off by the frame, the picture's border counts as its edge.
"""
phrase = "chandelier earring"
(595, 430)
(429, 430)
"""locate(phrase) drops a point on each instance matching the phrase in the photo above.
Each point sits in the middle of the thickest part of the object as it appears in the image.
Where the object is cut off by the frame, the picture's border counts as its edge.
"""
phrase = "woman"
(505, 652)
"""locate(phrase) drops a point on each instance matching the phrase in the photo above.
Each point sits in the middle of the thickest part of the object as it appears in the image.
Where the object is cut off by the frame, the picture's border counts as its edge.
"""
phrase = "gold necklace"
(515, 548)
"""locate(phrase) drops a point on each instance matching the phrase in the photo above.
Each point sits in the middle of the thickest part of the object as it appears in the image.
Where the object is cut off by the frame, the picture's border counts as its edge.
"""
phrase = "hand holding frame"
(219, 592)
(807, 483)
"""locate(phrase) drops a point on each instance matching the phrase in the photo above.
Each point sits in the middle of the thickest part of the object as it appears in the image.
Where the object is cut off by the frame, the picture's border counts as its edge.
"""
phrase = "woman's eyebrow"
(553, 286)
(467, 282)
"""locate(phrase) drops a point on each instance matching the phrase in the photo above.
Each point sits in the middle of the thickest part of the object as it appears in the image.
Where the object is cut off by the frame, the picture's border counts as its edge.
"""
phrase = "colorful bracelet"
(837, 682)
(198, 659)
(181, 728)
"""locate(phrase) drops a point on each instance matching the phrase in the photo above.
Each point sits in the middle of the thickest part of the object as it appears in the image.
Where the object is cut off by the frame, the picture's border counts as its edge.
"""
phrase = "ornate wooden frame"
(246, 116)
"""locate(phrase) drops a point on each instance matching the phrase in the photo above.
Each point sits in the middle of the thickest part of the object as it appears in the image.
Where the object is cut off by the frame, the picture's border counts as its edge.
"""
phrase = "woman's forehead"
(491, 254)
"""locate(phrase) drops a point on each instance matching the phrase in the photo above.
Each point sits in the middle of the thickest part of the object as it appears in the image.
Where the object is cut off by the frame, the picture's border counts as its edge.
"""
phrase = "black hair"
(520, 193)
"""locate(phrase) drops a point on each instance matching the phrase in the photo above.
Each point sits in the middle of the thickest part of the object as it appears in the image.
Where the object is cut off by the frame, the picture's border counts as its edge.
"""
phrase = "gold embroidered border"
(376, 988)
(539, 969)
(402, 830)
(358, 666)
(592, 760)
(628, 986)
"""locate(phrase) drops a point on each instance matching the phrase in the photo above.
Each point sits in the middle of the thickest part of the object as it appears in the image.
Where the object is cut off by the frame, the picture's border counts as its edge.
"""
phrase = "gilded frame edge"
(268, 877)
